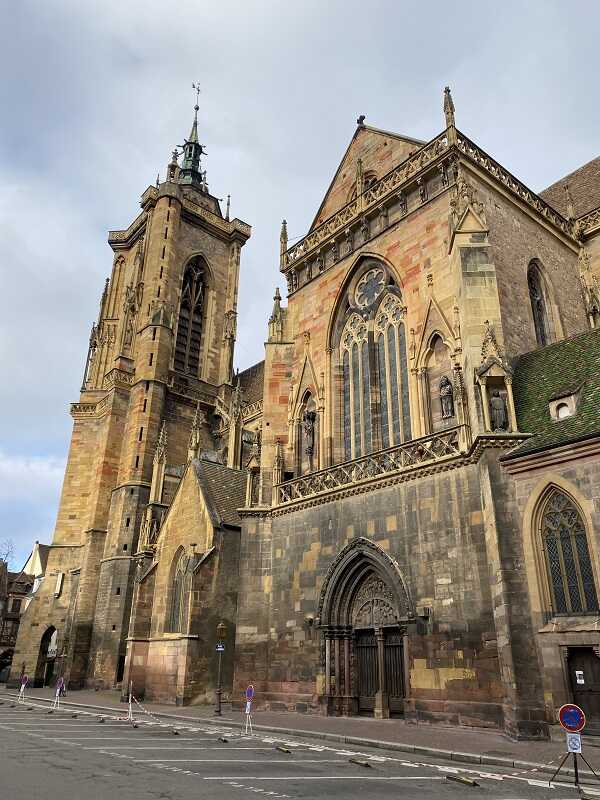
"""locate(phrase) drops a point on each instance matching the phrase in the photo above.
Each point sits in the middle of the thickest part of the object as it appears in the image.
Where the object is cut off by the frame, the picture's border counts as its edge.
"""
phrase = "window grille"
(567, 556)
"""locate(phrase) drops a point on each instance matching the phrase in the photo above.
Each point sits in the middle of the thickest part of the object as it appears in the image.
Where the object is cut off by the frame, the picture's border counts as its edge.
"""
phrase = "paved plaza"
(87, 754)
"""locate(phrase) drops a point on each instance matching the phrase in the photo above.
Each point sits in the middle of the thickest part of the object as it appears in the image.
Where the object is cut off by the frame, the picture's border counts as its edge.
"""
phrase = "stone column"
(327, 665)
(512, 415)
(485, 405)
(337, 666)
(382, 709)
(347, 681)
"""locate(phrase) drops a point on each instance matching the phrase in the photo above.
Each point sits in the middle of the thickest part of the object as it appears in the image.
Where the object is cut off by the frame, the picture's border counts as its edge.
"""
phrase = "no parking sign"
(571, 718)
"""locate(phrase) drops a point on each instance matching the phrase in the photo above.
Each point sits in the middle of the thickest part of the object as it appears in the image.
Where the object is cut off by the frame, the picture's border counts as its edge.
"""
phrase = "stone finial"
(157, 179)
(228, 207)
(361, 121)
(283, 244)
(360, 177)
(194, 441)
(276, 318)
(570, 203)
(160, 454)
(489, 346)
(449, 108)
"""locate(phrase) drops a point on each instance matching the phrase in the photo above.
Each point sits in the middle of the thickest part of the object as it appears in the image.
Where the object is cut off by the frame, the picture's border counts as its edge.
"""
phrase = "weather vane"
(196, 86)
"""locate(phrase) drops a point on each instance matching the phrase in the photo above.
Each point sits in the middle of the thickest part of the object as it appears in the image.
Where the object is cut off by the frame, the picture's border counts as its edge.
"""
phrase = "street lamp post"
(221, 631)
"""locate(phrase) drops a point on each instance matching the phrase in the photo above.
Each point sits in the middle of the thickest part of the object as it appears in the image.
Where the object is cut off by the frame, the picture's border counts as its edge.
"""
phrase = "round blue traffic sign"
(250, 692)
(571, 717)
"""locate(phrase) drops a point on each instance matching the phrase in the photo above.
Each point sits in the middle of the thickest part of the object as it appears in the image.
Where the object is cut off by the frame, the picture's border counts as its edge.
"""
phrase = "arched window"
(392, 368)
(538, 304)
(357, 411)
(373, 367)
(178, 599)
(568, 562)
(191, 313)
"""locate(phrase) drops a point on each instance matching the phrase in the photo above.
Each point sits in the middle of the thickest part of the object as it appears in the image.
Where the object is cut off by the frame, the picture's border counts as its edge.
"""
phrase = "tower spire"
(191, 170)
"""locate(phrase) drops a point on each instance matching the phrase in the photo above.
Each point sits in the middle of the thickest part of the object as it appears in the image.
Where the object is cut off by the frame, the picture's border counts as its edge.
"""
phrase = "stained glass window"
(347, 419)
(385, 430)
(567, 556)
(393, 372)
(390, 373)
(366, 398)
(356, 401)
(538, 305)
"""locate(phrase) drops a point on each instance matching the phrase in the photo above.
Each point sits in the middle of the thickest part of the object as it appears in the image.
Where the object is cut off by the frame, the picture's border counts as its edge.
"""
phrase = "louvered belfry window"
(567, 554)
(191, 314)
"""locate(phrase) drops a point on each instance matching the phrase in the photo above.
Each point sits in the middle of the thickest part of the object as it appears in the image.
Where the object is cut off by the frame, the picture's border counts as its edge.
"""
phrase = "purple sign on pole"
(24, 680)
(250, 693)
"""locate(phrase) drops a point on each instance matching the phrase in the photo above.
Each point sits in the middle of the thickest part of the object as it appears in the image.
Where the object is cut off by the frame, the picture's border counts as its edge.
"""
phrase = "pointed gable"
(380, 151)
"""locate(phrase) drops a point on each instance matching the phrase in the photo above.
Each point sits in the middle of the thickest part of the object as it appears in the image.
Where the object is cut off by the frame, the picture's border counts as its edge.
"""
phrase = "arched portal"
(44, 671)
(363, 612)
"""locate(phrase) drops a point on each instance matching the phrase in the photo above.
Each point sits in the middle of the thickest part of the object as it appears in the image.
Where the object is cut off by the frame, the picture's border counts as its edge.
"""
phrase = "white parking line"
(326, 778)
(240, 761)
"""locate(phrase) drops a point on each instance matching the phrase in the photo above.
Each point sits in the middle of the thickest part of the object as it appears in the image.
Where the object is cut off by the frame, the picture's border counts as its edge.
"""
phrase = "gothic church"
(397, 512)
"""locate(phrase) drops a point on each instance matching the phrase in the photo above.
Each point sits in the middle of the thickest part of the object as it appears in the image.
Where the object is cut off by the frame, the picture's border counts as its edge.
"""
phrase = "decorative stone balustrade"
(351, 212)
(589, 222)
(487, 163)
(428, 450)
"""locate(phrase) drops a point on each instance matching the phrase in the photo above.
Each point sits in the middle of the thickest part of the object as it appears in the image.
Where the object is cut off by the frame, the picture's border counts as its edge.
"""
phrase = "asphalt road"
(58, 757)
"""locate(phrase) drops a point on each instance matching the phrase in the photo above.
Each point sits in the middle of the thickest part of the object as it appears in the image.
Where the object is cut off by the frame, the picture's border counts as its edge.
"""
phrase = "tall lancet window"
(178, 600)
(568, 561)
(392, 368)
(538, 304)
(373, 366)
(355, 365)
(191, 314)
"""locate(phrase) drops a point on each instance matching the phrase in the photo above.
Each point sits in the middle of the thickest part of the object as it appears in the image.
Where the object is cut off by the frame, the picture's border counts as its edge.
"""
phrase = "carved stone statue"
(446, 398)
(308, 427)
(499, 417)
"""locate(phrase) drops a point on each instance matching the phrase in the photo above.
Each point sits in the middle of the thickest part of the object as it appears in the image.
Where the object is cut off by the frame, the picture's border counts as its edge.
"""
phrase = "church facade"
(398, 511)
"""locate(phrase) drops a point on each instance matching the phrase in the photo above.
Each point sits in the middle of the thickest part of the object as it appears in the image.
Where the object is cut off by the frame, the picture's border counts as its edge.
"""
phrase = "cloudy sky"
(95, 94)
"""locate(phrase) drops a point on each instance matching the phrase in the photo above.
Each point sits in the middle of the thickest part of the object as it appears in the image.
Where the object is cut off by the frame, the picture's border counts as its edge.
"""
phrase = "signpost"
(24, 682)
(220, 648)
(60, 685)
(572, 719)
(249, 693)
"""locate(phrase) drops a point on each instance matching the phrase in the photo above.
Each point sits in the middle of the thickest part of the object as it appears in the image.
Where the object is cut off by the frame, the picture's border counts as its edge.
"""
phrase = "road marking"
(241, 761)
(327, 778)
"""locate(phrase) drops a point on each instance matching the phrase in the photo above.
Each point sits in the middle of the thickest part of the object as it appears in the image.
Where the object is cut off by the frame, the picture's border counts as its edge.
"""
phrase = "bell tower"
(160, 352)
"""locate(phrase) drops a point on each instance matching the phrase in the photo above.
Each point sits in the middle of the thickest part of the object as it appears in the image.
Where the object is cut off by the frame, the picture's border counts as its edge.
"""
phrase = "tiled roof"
(584, 186)
(224, 490)
(551, 372)
(252, 382)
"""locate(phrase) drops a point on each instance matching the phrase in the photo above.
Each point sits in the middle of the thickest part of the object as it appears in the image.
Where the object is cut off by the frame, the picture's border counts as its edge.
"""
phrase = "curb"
(379, 744)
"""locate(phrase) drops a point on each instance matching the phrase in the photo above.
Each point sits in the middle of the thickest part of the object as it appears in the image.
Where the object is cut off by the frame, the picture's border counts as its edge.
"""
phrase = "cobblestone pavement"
(90, 754)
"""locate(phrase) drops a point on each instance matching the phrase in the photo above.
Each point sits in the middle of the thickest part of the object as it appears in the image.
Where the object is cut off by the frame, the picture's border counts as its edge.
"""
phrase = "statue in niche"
(446, 398)
(308, 427)
(498, 414)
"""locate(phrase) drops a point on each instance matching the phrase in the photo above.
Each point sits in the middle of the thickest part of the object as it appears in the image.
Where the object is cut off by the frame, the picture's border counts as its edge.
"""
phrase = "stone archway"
(363, 614)
(45, 668)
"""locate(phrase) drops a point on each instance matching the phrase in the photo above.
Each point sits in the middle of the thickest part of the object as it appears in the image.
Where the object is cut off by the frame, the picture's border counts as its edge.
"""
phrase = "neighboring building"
(397, 512)
(16, 591)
